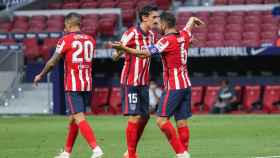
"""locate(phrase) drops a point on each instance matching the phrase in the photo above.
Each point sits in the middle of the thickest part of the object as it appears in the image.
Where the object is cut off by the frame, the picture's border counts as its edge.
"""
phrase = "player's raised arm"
(48, 67)
(192, 23)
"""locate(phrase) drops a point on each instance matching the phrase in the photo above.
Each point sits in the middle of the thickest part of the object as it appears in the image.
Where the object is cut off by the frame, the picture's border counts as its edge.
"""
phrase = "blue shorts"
(135, 100)
(177, 103)
(77, 101)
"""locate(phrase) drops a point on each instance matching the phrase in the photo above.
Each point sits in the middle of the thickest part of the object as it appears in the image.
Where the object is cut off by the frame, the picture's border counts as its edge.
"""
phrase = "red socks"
(131, 138)
(71, 137)
(171, 135)
(87, 133)
(141, 126)
(184, 135)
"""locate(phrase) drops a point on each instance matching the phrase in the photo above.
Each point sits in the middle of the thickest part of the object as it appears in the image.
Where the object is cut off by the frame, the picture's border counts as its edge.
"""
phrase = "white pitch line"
(269, 157)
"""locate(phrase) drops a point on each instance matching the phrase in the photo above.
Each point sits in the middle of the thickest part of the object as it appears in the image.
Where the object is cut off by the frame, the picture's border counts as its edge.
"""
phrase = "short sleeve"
(159, 47)
(162, 44)
(187, 33)
(61, 47)
(127, 38)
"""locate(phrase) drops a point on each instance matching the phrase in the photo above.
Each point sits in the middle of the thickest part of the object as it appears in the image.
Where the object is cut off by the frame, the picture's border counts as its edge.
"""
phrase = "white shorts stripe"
(87, 79)
(74, 88)
(184, 79)
(177, 83)
(82, 80)
(136, 66)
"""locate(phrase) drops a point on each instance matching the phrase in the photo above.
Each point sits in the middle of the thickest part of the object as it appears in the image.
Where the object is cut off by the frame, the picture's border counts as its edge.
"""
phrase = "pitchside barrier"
(11, 71)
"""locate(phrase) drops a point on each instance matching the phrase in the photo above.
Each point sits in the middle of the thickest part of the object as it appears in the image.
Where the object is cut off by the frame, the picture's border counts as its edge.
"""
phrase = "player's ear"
(144, 18)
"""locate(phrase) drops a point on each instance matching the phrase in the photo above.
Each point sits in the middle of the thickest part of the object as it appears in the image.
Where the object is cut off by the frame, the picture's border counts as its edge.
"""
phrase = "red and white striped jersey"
(173, 49)
(136, 70)
(78, 50)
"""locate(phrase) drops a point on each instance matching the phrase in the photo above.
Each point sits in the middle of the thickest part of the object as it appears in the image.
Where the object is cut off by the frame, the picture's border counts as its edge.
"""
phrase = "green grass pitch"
(241, 136)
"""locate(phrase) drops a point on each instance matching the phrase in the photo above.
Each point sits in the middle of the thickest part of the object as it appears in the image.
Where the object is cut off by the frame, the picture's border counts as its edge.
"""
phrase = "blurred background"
(233, 62)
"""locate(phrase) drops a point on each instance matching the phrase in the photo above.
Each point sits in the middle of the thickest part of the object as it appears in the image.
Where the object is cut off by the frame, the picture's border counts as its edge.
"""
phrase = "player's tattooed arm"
(139, 53)
(117, 55)
(48, 67)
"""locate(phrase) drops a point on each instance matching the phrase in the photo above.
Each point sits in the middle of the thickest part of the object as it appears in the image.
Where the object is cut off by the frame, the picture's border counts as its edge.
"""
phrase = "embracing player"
(135, 77)
(176, 99)
(77, 49)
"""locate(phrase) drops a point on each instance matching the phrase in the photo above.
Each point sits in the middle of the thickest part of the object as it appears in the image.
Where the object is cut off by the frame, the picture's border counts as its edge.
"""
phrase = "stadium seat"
(214, 43)
(71, 5)
(251, 35)
(216, 28)
(270, 19)
(38, 18)
(54, 29)
(107, 27)
(163, 4)
(234, 27)
(126, 5)
(252, 27)
(251, 95)
(217, 20)
(128, 16)
(48, 45)
(55, 5)
(254, 1)
(269, 27)
(32, 49)
(108, 4)
(253, 19)
(115, 101)
(56, 17)
(216, 36)
(233, 36)
(219, 13)
(90, 30)
(256, 13)
(21, 18)
(7, 41)
(220, 2)
(89, 5)
(232, 43)
(210, 97)
(235, 2)
(6, 26)
(269, 35)
(253, 43)
(234, 19)
(196, 99)
(19, 30)
(270, 98)
(99, 99)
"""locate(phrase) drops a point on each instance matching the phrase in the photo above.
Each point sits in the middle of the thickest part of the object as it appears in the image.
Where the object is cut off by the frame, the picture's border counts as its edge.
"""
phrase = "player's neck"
(75, 29)
(144, 27)
(171, 30)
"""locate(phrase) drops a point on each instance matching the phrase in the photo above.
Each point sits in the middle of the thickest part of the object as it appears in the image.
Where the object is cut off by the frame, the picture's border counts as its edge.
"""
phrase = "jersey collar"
(142, 31)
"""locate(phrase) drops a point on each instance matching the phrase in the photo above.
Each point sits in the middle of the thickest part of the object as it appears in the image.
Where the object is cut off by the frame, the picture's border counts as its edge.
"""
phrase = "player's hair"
(168, 18)
(73, 19)
(146, 10)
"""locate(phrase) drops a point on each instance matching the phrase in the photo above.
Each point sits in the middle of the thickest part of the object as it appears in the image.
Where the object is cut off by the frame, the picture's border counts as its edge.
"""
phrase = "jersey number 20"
(86, 47)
